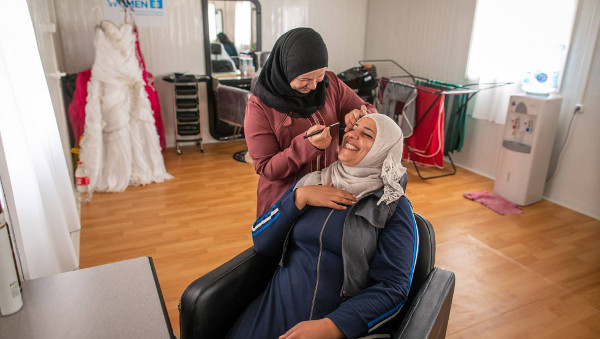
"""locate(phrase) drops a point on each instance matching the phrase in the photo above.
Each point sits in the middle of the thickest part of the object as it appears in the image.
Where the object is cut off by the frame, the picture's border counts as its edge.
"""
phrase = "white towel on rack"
(120, 145)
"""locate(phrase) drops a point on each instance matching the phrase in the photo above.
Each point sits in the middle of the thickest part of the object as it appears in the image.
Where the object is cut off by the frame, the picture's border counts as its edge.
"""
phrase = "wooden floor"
(535, 275)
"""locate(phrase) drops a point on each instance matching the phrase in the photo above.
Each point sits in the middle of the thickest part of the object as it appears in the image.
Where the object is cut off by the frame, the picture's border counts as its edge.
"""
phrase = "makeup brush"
(321, 130)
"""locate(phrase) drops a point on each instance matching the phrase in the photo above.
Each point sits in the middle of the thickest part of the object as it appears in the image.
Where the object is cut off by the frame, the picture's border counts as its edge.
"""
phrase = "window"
(520, 41)
(243, 20)
(215, 21)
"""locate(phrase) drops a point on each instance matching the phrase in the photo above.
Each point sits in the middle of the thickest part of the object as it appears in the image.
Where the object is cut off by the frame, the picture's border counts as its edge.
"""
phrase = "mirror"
(239, 20)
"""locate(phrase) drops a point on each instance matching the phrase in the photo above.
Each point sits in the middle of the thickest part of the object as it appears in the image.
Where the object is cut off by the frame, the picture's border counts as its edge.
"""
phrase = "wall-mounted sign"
(147, 13)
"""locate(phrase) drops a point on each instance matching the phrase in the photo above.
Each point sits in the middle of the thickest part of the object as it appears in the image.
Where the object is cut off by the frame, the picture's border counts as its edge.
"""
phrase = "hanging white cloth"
(120, 145)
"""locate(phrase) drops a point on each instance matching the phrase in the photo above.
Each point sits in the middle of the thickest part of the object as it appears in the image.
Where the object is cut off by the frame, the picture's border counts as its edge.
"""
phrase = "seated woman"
(228, 44)
(348, 244)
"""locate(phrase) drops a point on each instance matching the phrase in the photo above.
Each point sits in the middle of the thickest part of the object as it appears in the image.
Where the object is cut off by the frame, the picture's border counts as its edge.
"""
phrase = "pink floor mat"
(494, 202)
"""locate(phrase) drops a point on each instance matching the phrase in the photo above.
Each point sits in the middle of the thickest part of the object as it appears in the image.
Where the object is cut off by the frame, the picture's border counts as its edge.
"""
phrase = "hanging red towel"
(427, 141)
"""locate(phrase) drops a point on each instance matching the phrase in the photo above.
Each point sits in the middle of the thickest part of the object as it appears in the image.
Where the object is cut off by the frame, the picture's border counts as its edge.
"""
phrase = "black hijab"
(299, 51)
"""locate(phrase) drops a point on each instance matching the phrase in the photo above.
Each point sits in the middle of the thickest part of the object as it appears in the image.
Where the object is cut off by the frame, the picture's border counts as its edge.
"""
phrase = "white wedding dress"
(120, 146)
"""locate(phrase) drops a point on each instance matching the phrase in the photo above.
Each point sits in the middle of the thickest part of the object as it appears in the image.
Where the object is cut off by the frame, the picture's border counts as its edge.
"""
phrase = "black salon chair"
(220, 62)
(211, 304)
(231, 106)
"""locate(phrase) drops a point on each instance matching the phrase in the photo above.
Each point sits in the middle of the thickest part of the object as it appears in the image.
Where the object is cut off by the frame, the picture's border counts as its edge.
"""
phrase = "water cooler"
(526, 148)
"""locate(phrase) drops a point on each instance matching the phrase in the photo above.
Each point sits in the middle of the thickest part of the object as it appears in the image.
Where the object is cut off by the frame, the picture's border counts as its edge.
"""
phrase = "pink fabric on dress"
(76, 110)
(494, 202)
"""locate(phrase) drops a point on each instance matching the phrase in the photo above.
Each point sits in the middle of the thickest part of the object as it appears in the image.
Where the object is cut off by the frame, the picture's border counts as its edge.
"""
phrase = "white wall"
(342, 23)
(428, 38)
(576, 183)
(577, 179)
(433, 41)
(43, 17)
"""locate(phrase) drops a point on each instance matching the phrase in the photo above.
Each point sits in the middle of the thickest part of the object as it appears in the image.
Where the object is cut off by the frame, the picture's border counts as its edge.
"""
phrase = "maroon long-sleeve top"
(276, 145)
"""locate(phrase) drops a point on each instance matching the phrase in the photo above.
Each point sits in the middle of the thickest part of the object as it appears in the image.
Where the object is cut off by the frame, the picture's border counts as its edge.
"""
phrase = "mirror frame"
(258, 47)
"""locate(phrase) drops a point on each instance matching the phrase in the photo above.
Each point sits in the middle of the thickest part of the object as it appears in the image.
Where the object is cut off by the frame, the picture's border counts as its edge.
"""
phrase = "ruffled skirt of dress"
(120, 146)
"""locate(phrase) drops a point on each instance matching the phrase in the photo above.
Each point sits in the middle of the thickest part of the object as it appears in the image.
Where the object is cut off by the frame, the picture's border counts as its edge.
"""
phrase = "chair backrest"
(425, 263)
(263, 56)
(231, 104)
(222, 66)
(254, 80)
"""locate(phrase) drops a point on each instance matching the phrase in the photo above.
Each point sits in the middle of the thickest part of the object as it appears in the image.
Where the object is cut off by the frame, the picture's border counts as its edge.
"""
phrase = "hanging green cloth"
(457, 124)
(455, 107)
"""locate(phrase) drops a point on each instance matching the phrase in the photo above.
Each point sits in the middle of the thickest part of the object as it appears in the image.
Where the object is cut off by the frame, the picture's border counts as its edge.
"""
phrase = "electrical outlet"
(579, 108)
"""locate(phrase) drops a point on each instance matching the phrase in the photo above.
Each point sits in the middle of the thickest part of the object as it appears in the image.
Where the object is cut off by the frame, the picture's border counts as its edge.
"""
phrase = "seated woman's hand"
(353, 116)
(322, 328)
(321, 140)
(323, 196)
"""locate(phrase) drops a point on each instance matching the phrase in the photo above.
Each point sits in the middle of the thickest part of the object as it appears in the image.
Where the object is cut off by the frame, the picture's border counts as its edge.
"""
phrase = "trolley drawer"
(186, 102)
(188, 116)
(188, 129)
(186, 89)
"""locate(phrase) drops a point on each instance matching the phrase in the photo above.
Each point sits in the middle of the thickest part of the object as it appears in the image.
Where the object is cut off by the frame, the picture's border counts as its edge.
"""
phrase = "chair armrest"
(427, 316)
(210, 305)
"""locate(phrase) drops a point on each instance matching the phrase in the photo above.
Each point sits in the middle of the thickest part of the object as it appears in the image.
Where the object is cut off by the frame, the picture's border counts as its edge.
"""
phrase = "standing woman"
(295, 95)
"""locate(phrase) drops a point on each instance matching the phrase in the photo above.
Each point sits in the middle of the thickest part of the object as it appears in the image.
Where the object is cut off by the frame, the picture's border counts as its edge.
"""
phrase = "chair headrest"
(215, 48)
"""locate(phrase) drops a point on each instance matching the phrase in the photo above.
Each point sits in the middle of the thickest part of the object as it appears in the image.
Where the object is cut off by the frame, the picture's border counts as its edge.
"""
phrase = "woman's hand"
(323, 196)
(321, 140)
(351, 118)
(322, 329)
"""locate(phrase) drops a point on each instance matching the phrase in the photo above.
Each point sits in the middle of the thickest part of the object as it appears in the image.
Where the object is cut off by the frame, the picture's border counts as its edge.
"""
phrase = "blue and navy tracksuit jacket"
(308, 284)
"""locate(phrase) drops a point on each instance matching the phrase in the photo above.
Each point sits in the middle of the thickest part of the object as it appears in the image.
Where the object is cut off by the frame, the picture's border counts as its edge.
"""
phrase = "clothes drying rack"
(390, 69)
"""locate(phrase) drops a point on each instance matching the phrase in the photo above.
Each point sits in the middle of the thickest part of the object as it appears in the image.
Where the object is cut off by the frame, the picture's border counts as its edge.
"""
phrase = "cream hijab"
(380, 167)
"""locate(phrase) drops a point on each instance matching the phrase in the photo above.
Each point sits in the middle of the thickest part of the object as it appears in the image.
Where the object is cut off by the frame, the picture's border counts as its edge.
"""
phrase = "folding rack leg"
(435, 176)
(449, 157)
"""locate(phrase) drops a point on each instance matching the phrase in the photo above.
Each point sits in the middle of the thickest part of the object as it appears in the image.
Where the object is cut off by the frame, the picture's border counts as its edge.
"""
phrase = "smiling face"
(358, 142)
(307, 82)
